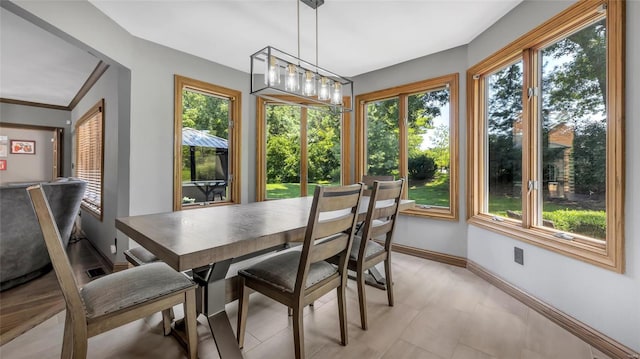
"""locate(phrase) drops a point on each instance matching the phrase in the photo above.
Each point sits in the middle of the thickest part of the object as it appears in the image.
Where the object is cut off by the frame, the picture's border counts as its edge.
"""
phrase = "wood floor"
(29, 304)
(441, 312)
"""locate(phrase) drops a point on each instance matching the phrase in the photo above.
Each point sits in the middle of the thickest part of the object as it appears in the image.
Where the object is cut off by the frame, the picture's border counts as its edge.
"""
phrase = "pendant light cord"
(316, 37)
(298, 9)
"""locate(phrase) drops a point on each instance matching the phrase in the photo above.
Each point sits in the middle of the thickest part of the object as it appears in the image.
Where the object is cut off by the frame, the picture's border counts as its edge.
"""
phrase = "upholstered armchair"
(23, 254)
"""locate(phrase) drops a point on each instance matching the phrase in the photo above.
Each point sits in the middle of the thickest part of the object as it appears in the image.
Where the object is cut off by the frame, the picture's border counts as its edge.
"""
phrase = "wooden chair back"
(384, 204)
(368, 182)
(58, 255)
(330, 229)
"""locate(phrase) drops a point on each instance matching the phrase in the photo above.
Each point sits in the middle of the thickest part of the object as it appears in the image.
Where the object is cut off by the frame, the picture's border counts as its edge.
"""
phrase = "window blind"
(89, 157)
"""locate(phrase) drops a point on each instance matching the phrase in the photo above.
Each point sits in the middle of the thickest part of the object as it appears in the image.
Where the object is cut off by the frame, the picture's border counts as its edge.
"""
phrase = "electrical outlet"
(113, 249)
(518, 255)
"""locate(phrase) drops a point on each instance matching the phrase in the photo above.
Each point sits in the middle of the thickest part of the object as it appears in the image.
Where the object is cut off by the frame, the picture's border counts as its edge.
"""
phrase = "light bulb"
(309, 86)
(336, 98)
(291, 78)
(272, 72)
(323, 94)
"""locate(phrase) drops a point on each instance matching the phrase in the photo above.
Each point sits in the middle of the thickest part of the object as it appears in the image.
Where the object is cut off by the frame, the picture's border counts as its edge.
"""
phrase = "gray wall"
(37, 116)
(116, 123)
(600, 298)
(28, 167)
(435, 235)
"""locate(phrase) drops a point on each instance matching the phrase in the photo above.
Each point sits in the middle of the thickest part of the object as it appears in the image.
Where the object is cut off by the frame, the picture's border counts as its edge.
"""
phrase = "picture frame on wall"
(3, 165)
(23, 147)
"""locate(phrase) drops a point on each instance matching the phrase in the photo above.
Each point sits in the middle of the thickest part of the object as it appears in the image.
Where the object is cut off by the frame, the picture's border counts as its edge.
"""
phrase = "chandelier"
(275, 73)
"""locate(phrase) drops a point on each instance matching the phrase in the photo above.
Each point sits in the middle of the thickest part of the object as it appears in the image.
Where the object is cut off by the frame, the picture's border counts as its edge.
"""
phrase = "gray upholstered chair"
(113, 300)
(296, 277)
(24, 255)
(379, 224)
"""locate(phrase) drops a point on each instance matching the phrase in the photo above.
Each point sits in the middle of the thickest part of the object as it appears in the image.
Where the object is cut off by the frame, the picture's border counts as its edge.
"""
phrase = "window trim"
(402, 92)
(261, 142)
(609, 255)
(235, 98)
(98, 108)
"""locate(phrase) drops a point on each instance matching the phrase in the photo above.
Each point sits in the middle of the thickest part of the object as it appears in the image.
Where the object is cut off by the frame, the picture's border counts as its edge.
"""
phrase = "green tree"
(440, 151)
(205, 112)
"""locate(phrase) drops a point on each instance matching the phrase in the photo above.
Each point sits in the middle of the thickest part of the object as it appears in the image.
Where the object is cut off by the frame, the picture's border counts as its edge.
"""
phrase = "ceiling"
(354, 36)
(36, 66)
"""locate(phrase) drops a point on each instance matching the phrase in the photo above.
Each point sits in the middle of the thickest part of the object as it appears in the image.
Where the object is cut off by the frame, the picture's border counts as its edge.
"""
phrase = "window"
(411, 132)
(300, 146)
(90, 157)
(545, 136)
(207, 129)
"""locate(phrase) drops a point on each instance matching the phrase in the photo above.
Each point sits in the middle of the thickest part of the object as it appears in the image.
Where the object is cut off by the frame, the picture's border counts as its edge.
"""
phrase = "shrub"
(421, 167)
(587, 223)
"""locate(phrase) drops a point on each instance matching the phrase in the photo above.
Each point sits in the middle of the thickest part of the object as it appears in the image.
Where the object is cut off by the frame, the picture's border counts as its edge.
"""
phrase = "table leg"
(373, 278)
(211, 302)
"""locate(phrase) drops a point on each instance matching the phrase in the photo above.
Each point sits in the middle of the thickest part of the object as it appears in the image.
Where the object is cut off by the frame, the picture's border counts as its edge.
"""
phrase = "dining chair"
(379, 224)
(297, 277)
(113, 300)
(368, 182)
(138, 256)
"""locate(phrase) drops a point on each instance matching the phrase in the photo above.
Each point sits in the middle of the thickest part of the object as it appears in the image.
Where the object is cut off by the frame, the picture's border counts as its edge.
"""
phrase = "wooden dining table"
(207, 240)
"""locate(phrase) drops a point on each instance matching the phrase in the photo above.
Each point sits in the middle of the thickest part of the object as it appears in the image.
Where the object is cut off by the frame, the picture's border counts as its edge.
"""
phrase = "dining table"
(207, 240)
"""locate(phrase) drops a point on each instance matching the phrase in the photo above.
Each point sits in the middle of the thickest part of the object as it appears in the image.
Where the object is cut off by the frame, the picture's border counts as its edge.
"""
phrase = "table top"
(193, 238)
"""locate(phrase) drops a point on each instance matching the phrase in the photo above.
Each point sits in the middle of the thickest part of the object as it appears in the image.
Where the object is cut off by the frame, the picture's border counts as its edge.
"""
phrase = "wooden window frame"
(402, 92)
(98, 108)
(235, 98)
(261, 143)
(610, 254)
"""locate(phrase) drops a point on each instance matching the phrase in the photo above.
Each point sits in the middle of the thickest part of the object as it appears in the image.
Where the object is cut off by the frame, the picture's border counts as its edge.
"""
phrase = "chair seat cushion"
(136, 285)
(372, 248)
(281, 270)
(140, 256)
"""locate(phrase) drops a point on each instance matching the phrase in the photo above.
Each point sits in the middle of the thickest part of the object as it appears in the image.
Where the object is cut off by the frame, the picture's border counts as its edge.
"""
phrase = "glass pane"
(323, 148)
(504, 130)
(383, 151)
(205, 150)
(283, 151)
(428, 140)
(574, 133)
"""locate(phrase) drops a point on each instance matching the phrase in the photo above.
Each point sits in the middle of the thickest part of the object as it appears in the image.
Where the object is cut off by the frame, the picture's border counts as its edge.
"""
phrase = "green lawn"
(290, 190)
(567, 216)
(433, 193)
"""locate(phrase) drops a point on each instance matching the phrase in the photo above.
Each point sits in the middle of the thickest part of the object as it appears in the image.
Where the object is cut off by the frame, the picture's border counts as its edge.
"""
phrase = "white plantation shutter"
(89, 156)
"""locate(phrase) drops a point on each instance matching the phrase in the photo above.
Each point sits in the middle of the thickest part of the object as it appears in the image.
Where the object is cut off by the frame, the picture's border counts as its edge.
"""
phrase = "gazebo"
(195, 138)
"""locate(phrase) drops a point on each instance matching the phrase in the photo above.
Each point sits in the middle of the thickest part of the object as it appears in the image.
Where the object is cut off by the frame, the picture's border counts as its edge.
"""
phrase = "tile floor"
(441, 312)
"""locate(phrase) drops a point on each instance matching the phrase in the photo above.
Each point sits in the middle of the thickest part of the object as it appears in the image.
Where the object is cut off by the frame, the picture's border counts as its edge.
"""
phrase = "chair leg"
(298, 331)
(387, 274)
(362, 299)
(67, 340)
(80, 340)
(342, 314)
(166, 321)
(190, 323)
(243, 309)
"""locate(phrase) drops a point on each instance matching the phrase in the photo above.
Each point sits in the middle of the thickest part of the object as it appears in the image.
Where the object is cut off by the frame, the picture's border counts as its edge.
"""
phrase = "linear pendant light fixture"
(275, 73)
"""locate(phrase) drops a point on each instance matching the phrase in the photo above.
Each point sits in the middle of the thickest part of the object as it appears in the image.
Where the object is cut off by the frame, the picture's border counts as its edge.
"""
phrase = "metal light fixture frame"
(275, 90)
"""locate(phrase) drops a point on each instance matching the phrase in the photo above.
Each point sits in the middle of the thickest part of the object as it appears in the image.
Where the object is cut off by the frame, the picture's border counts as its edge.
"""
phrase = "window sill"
(583, 249)
(433, 212)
